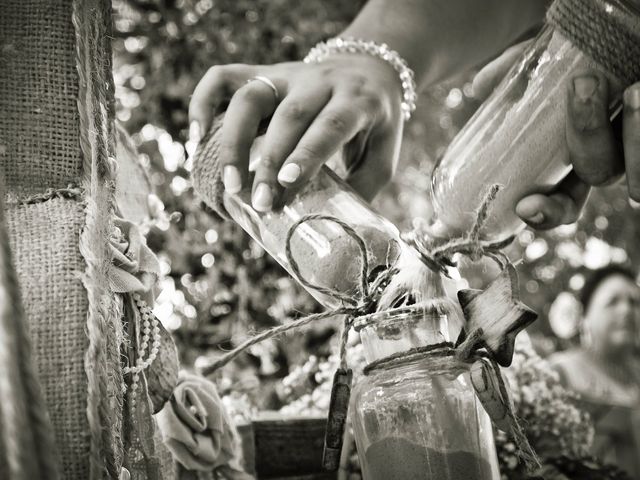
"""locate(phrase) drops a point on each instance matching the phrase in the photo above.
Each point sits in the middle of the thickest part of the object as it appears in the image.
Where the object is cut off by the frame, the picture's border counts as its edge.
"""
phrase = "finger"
(215, 87)
(488, 78)
(631, 139)
(381, 152)
(593, 150)
(287, 126)
(251, 104)
(562, 206)
(335, 125)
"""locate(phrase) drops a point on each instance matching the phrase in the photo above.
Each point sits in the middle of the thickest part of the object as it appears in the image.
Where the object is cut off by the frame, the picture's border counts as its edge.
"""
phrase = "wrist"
(381, 53)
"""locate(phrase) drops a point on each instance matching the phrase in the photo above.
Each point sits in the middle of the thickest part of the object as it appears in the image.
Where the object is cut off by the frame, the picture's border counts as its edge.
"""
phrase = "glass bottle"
(325, 254)
(413, 424)
(517, 137)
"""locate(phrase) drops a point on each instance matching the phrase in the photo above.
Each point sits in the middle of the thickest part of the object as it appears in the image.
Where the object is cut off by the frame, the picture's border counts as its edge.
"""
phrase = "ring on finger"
(267, 82)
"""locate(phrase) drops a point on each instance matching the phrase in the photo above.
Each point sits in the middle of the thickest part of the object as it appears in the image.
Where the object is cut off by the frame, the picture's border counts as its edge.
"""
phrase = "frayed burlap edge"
(92, 22)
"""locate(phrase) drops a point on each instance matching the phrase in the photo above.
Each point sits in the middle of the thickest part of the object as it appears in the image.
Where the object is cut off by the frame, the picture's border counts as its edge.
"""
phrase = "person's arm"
(439, 38)
(349, 102)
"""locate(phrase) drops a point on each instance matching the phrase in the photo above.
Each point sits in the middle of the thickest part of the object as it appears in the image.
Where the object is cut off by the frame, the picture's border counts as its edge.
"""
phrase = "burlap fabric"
(38, 95)
(56, 129)
(39, 150)
(44, 241)
(609, 32)
(206, 174)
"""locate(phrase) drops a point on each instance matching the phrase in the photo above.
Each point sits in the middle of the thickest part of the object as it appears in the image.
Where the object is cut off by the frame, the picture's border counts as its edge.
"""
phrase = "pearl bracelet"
(323, 50)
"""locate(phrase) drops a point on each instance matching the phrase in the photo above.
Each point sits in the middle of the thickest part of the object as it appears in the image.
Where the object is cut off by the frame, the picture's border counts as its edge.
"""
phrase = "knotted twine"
(440, 257)
(351, 308)
(443, 358)
(95, 103)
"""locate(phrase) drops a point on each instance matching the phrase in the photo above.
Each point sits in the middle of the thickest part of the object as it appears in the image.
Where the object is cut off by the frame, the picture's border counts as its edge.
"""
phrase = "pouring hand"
(599, 156)
(592, 151)
(350, 101)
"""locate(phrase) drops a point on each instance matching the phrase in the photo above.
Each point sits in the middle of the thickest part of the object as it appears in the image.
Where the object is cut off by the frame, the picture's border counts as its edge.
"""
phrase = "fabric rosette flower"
(198, 431)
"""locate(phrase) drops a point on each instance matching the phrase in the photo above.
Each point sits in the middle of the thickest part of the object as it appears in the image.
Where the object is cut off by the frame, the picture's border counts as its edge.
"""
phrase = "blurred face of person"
(612, 318)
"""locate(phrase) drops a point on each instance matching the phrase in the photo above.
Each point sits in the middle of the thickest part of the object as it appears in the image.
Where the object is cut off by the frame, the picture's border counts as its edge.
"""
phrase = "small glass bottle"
(517, 137)
(325, 254)
(410, 423)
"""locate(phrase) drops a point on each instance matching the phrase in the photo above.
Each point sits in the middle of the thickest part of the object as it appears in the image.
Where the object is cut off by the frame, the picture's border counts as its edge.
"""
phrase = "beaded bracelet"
(323, 50)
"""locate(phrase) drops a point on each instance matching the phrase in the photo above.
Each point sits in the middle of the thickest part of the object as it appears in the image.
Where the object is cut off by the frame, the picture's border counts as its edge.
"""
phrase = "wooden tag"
(486, 384)
(500, 314)
(336, 421)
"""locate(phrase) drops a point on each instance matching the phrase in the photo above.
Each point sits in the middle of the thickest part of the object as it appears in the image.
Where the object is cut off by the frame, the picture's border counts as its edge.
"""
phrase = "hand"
(349, 102)
(597, 157)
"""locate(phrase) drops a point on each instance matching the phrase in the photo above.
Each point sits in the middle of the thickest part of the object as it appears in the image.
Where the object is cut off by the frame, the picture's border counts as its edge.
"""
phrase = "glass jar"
(409, 423)
(517, 137)
(326, 255)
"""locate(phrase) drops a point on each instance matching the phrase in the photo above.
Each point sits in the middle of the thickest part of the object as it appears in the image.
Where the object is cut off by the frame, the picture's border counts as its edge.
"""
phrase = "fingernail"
(231, 179)
(289, 173)
(585, 87)
(536, 218)
(262, 198)
(195, 132)
(632, 96)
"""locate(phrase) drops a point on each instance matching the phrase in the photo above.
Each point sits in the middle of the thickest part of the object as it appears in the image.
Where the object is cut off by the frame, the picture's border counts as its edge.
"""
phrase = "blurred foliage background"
(218, 285)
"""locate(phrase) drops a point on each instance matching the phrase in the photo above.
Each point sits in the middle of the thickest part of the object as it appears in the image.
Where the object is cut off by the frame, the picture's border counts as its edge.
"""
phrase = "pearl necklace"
(150, 332)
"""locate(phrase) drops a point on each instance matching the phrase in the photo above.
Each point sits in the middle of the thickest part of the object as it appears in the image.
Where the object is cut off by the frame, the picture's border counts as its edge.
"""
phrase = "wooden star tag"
(500, 314)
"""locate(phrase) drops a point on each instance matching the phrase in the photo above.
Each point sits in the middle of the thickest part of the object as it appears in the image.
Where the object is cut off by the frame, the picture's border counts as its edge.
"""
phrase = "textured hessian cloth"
(38, 95)
(44, 241)
(56, 129)
(206, 174)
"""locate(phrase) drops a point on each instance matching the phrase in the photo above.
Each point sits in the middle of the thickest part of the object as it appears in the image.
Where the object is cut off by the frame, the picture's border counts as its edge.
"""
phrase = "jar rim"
(435, 307)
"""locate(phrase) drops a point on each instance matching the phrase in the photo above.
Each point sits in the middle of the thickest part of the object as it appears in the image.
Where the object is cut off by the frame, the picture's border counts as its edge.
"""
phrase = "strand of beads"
(150, 332)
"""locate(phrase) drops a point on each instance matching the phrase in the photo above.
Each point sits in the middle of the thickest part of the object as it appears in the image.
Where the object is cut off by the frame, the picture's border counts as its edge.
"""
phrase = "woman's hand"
(597, 156)
(349, 102)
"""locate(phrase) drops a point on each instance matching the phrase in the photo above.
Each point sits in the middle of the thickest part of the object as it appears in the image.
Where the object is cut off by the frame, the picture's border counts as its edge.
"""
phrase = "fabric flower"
(134, 267)
(198, 432)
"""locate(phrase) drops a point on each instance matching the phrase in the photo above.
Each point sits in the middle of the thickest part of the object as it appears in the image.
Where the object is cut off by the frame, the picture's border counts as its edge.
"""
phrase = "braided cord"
(606, 30)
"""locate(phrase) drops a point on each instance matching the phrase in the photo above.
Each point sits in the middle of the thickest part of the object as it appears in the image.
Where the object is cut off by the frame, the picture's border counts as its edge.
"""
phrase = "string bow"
(353, 306)
(440, 257)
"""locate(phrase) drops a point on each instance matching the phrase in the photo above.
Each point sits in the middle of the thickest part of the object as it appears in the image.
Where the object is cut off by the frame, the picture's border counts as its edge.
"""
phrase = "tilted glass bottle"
(326, 255)
(517, 137)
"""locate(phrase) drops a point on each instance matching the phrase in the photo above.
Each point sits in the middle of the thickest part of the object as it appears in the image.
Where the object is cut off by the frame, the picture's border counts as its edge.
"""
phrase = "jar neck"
(402, 329)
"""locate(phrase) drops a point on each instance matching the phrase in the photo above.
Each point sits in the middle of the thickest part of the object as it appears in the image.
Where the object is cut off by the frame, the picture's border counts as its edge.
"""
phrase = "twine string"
(524, 449)
(439, 257)
(366, 298)
(104, 402)
(270, 333)
(364, 259)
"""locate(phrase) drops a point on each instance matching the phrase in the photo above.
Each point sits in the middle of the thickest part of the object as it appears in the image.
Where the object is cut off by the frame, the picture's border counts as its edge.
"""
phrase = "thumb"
(594, 151)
